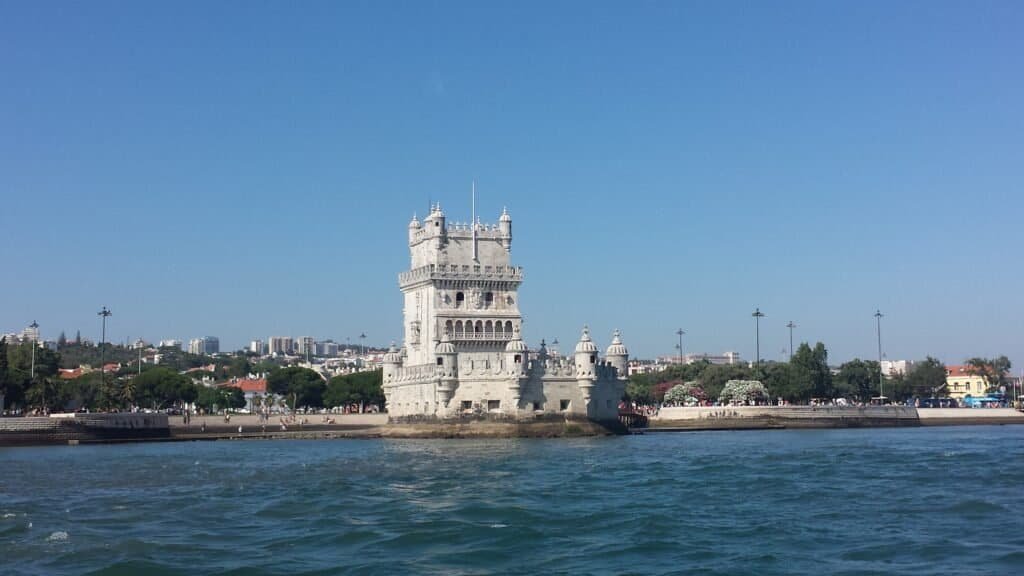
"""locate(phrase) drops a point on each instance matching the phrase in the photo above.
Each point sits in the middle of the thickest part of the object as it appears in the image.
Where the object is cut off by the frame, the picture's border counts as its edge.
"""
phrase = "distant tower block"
(463, 350)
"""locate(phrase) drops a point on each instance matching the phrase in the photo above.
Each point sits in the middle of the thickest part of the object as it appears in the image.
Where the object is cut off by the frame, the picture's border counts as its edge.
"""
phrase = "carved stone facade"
(463, 351)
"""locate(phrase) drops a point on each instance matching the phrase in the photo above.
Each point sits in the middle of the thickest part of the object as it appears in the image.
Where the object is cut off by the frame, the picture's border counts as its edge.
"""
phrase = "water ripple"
(920, 501)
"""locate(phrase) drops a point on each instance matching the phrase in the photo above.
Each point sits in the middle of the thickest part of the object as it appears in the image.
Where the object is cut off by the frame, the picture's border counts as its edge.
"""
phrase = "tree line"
(807, 376)
(163, 386)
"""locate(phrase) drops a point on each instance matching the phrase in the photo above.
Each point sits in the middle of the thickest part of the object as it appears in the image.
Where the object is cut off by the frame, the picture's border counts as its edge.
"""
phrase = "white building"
(280, 345)
(693, 358)
(463, 353)
(257, 347)
(896, 367)
(30, 333)
(170, 344)
(207, 345)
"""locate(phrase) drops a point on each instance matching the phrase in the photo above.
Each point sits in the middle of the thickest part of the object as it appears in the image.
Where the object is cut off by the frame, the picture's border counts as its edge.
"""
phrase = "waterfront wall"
(958, 416)
(81, 427)
(723, 417)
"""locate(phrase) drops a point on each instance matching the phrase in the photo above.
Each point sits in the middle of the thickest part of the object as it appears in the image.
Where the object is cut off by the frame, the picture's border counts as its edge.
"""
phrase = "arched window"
(508, 328)
(499, 329)
(489, 299)
(489, 328)
(449, 328)
(458, 329)
(479, 328)
(460, 299)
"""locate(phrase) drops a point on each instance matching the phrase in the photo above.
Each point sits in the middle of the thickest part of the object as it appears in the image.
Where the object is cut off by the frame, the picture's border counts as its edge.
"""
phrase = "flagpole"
(473, 222)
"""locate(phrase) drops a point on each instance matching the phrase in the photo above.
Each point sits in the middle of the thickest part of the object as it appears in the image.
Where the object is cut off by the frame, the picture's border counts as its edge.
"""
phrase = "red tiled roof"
(249, 384)
(960, 370)
(70, 374)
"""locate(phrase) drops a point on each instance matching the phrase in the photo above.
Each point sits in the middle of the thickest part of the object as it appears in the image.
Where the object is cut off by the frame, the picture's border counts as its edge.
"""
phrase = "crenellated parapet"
(414, 374)
(475, 272)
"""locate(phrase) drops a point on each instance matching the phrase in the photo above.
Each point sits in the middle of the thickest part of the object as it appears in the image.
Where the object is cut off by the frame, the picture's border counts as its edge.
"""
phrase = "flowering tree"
(688, 394)
(743, 392)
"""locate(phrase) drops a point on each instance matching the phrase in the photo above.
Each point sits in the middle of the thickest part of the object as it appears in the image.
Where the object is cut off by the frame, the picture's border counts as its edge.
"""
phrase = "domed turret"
(618, 355)
(414, 227)
(516, 346)
(586, 345)
(505, 228)
(393, 356)
(392, 360)
(585, 359)
(447, 368)
(517, 361)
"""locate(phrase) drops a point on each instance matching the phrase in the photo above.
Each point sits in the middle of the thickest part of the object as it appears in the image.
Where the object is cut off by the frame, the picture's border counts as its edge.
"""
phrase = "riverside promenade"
(767, 417)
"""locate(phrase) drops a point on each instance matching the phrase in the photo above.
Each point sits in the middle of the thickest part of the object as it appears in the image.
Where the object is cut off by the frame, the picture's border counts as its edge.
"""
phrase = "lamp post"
(791, 325)
(362, 338)
(35, 342)
(757, 314)
(680, 333)
(103, 339)
(878, 321)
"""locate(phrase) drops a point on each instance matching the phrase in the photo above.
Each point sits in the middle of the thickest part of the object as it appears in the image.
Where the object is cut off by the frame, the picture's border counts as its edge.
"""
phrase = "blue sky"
(247, 169)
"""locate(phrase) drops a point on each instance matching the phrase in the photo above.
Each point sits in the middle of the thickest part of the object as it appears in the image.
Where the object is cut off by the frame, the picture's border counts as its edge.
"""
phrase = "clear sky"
(248, 169)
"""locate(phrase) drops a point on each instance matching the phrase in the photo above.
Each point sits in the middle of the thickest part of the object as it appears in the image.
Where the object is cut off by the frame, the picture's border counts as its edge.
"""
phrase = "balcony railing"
(481, 336)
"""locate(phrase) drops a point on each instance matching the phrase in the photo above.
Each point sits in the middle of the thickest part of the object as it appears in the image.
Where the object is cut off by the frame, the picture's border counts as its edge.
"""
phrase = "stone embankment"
(378, 426)
(762, 417)
(82, 427)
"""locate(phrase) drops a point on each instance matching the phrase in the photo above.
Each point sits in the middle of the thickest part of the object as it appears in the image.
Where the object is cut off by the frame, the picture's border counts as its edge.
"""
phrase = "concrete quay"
(769, 417)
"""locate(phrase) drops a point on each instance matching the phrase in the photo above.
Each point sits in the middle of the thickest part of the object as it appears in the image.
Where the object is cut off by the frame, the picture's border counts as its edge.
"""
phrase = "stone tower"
(463, 350)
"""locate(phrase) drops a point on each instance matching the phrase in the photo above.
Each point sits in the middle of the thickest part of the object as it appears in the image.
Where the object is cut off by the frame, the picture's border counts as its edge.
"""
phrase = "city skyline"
(697, 158)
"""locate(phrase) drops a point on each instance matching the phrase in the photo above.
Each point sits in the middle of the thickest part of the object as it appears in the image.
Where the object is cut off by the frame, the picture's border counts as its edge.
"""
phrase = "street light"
(362, 338)
(680, 333)
(103, 339)
(791, 325)
(757, 314)
(878, 320)
(35, 342)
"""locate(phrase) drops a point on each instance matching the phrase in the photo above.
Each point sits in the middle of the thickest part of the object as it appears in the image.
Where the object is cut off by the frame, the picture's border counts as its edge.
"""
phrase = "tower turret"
(585, 360)
(392, 362)
(618, 355)
(447, 369)
(414, 227)
(437, 226)
(517, 359)
(505, 229)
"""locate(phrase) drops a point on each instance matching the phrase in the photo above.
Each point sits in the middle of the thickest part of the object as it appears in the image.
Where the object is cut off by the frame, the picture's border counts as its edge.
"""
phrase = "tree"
(638, 389)
(238, 367)
(62, 340)
(927, 378)
(360, 388)
(994, 371)
(743, 392)
(858, 379)
(78, 337)
(713, 377)
(811, 375)
(688, 394)
(161, 387)
(233, 396)
(44, 394)
(299, 386)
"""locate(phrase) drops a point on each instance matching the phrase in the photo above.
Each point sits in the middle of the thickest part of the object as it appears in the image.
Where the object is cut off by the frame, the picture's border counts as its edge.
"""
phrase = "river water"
(873, 501)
